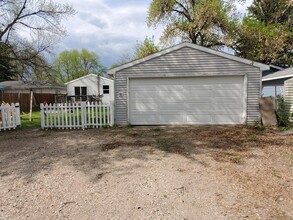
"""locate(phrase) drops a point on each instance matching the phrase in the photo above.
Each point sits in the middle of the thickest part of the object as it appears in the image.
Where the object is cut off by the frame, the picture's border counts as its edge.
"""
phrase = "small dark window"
(106, 89)
(80, 93)
(77, 91)
(83, 91)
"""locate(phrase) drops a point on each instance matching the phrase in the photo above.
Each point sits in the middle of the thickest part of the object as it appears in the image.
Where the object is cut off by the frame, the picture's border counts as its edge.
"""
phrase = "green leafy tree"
(203, 22)
(272, 11)
(147, 47)
(29, 28)
(266, 34)
(73, 64)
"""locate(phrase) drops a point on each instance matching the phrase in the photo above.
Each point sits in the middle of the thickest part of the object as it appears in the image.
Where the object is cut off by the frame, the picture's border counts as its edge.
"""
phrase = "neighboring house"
(272, 70)
(87, 88)
(187, 84)
(43, 92)
(273, 84)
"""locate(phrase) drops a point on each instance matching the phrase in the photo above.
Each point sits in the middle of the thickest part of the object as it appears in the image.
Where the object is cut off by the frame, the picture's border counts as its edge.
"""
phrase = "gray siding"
(288, 97)
(187, 62)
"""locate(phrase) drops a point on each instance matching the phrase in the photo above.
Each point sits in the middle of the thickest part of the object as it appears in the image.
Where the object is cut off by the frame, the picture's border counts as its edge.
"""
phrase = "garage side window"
(106, 89)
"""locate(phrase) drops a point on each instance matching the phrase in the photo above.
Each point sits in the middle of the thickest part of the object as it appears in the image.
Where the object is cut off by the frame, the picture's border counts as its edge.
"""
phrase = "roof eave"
(278, 77)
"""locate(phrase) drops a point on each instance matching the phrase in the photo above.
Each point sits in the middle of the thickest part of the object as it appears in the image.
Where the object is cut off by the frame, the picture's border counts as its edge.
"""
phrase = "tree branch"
(9, 26)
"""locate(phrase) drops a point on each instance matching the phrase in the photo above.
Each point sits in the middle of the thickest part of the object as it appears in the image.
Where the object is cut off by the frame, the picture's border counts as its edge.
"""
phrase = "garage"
(190, 100)
(187, 84)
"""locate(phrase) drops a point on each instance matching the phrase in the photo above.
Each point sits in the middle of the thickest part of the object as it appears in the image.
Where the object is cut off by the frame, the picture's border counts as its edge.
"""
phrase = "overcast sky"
(110, 28)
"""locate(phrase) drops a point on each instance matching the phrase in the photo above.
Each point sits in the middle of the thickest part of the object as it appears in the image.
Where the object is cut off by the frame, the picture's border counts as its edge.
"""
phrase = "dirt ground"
(146, 173)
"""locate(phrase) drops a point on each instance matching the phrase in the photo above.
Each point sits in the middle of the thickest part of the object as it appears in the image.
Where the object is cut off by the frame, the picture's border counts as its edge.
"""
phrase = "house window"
(272, 90)
(106, 89)
(80, 93)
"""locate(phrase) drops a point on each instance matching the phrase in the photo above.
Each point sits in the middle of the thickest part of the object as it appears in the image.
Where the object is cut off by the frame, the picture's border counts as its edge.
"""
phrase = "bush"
(283, 114)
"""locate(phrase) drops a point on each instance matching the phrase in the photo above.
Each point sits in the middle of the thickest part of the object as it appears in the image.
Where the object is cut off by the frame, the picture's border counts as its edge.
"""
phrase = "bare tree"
(29, 28)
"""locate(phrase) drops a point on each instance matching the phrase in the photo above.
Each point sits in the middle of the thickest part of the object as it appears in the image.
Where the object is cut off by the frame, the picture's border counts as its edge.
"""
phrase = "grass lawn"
(36, 119)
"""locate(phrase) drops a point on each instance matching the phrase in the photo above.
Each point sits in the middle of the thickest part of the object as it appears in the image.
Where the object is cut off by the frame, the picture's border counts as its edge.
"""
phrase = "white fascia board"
(277, 77)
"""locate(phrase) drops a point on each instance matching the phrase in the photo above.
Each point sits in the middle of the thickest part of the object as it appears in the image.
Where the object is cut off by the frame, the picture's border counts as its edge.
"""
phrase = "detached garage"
(187, 84)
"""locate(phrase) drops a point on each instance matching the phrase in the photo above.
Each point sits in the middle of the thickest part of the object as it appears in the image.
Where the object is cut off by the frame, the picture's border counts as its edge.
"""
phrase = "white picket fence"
(76, 115)
(9, 116)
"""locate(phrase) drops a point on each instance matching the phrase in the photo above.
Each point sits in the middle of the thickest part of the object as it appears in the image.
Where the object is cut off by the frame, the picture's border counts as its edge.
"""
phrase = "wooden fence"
(9, 116)
(76, 115)
(24, 99)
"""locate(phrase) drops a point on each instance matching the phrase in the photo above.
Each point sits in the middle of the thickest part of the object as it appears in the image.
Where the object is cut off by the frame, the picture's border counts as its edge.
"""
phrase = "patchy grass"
(277, 174)
(36, 120)
(253, 137)
(171, 145)
(228, 157)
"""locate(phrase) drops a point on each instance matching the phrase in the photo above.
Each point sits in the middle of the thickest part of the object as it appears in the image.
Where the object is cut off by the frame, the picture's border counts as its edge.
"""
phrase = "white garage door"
(194, 100)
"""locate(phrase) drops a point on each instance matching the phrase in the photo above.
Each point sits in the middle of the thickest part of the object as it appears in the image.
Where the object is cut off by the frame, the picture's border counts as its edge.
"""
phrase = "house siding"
(187, 62)
(91, 82)
(288, 97)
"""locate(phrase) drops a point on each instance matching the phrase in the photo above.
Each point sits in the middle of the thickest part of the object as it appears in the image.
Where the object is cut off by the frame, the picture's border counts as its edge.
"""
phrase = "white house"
(89, 87)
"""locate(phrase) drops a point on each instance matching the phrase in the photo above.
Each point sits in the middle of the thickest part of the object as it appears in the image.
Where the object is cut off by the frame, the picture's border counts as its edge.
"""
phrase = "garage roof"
(196, 47)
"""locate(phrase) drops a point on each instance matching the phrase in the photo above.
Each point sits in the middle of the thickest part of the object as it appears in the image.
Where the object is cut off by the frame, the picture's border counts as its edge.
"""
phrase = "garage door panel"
(144, 106)
(193, 100)
(147, 119)
(171, 118)
(149, 100)
(228, 93)
(165, 95)
(198, 107)
(192, 107)
(198, 119)
(171, 106)
(171, 99)
(223, 100)
(143, 94)
(143, 88)
(229, 107)
(169, 113)
(228, 112)
(198, 100)
(228, 86)
(198, 93)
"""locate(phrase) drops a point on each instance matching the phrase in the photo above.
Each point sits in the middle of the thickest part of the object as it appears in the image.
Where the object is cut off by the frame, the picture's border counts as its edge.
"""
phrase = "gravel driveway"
(146, 173)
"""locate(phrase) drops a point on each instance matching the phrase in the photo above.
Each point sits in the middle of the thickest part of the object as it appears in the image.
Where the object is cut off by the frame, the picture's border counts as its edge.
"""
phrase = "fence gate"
(9, 116)
(77, 115)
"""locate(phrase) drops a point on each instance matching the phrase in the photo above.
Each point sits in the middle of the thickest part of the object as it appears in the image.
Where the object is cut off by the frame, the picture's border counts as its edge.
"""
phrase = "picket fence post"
(83, 115)
(17, 112)
(9, 116)
(42, 116)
